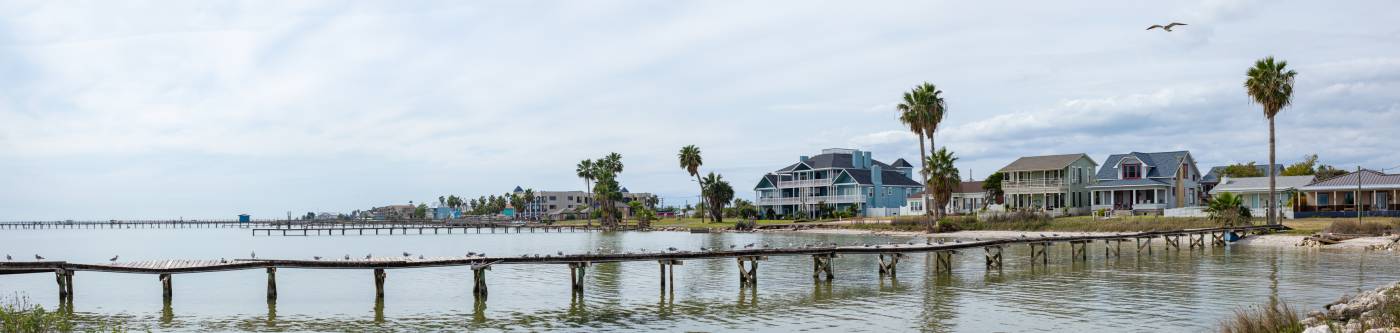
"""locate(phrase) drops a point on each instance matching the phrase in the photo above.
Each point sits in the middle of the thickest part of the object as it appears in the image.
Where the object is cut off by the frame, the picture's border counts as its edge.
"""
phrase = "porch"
(1142, 199)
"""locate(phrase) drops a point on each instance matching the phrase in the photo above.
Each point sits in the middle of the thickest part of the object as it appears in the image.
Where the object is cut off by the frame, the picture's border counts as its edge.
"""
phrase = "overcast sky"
(201, 109)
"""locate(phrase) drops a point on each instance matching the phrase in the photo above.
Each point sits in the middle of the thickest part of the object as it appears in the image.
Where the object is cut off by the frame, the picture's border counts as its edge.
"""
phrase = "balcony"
(812, 200)
(1027, 186)
(805, 183)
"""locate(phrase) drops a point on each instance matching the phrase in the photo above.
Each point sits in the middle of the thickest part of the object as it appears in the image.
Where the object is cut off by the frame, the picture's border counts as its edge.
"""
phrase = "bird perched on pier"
(909, 243)
(253, 254)
(750, 246)
(347, 257)
(37, 257)
(940, 242)
(420, 257)
(7, 257)
(1167, 27)
(316, 257)
(114, 258)
(483, 254)
(471, 254)
(223, 261)
(1023, 235)
(703, 249)
(958, 241)
(731, 246)
(672, 249)
(405, 253)
(560, 253)
(1054, 235)
(928, 241)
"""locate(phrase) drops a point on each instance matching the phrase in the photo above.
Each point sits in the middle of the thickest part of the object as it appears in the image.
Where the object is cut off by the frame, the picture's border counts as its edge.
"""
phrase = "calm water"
(1172, 292)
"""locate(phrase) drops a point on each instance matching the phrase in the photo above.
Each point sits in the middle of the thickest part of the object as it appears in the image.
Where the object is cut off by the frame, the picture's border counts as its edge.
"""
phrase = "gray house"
(1150, 183)
(840, 178)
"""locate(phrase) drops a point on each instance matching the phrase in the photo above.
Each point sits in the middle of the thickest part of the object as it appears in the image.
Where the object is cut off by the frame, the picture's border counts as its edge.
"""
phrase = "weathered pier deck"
(747, 258)
(180, 224)
(420, 229)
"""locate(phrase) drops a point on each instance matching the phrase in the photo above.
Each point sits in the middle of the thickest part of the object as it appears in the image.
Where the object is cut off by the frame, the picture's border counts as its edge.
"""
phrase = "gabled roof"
(1369, 179)
(1258, 184)
(901, 163)
(1160, 165)
(888, 177)
(518, 189)
(1214, 174)
(1045, 162)
(970, 187)
(771, 180)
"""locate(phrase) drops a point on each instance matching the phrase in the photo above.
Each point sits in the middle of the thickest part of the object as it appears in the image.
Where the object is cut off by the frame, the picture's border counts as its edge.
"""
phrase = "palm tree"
(943, 177)
(530, 202)
(1270, 84)
(719, 193)
(913, 113)
(691, 161)
(585, 171)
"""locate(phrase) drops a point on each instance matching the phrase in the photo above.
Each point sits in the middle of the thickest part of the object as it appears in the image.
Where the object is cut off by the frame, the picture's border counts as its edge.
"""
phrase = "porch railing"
(830, 199)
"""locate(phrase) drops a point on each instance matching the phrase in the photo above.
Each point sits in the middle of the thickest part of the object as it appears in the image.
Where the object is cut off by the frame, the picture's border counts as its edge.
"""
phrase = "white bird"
(114, 259)
(1167, 27)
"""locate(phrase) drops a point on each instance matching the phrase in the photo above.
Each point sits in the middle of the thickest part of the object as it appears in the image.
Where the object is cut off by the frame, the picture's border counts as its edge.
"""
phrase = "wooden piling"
(668, 272)
(943, 261)
(993, 254)
(821, 265)
(167, 291)
(379, 277)
(1038, 252)
(1078, 251)
(1144, 242)
(1197, 240)
(887, 267)
(1173, 241)
(576, 275)
(1116, 250)
(479, 278)
(272, 283)
(748, 276)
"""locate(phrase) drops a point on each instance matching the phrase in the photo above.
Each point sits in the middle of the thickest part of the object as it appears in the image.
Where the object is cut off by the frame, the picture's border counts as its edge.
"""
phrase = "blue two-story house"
(839, 178)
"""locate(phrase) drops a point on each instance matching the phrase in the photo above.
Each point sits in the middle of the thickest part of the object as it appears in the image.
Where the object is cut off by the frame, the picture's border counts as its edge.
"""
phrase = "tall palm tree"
(530, 203)
(585, 171)
(1270, 84)
(913, 112)
(943, 177)
(691, 161)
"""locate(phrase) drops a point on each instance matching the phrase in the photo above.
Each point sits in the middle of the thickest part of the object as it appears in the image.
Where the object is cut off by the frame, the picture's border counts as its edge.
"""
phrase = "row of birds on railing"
(607, 251)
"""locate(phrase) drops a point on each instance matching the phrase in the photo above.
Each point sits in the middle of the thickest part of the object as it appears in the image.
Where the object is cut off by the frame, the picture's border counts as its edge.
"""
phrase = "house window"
(1348, 199)
(870, 192)
(1324, 199)
(1132, 171)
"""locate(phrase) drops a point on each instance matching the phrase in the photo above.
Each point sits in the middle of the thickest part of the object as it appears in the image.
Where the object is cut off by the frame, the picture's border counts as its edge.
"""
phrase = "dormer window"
(1132, 171)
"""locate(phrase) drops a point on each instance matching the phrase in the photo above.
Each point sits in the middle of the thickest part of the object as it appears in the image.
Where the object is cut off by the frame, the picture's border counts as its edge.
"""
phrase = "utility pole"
(1358, 195)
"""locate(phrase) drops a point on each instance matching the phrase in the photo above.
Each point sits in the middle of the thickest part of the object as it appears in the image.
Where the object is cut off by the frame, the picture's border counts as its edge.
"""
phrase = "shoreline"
(1360, 243)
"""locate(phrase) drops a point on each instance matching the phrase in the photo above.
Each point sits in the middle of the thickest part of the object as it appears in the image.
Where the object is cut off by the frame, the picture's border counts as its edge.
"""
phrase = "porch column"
(1134, 200)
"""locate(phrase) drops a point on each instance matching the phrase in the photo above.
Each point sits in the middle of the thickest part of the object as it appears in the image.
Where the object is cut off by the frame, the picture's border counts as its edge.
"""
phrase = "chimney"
(867, 159)
(802, 158)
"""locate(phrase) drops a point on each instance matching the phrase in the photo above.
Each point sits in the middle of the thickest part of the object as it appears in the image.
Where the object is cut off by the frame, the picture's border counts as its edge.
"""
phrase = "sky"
(207, 109)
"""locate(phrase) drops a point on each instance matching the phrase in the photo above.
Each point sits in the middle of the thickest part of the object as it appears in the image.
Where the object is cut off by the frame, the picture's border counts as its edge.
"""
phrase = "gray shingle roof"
(901, 163)
(1256, 184)
(1214, 175)
(888, 177)
(889, 174)
(1045, 162)
(1370, 179)
(1159, 165)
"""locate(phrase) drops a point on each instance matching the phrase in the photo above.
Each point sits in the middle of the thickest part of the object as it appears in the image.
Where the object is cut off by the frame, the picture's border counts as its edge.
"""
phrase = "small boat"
(1233, 236)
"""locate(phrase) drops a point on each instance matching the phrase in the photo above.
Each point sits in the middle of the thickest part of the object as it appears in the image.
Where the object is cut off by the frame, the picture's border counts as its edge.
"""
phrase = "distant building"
(1147, 183)
(1212, 177)
(1372, 192)
(244, 218)
(841, 178)
(567, 205)
(1049, 183)
(967, 199)
(1254, 191)
(445, 213)
(392, 212)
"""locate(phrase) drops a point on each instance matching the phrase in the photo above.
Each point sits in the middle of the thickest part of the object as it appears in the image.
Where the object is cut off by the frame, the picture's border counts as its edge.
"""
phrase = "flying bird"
(1167, 27)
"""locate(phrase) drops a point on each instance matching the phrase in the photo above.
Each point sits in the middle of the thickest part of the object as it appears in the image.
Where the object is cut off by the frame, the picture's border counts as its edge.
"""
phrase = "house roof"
(1045, 162)
(1159, 165)
(1260, 184)
(888, 177)
(1128, 183)
(970, 187)
(901, 163)
(518, 189)
(1369, 179)
(1214, 175)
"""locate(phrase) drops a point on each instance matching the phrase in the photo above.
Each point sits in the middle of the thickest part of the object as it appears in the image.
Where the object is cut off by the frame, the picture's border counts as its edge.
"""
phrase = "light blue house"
(444, 213)
(839, 178)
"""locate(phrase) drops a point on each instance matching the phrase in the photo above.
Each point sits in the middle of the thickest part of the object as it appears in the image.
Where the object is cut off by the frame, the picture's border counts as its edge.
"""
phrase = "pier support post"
(748, 276)
(379, 277)
(1217, 238)
(1038, 253)
(1078, 251)
(943, 261)
(1173, 241)
(165, 285)
(993, 256)
(1197, 240)
(576, 274)
(821, 265)
(887, 267)
(668, 272)
(479, 277)
(1116, 250)
(271, 283)
(1144, 242)
(65, 283)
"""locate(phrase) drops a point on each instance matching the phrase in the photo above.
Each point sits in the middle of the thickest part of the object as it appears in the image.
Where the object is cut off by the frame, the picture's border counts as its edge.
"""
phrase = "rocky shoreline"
(1370, 311)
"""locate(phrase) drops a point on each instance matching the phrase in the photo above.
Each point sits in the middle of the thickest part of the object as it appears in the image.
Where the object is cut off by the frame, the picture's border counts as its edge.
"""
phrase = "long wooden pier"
(349, 229)
(294, 224)
(747, 258)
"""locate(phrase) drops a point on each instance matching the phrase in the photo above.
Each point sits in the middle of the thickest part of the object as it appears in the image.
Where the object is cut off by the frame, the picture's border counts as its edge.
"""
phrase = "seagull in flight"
(1167, 27)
